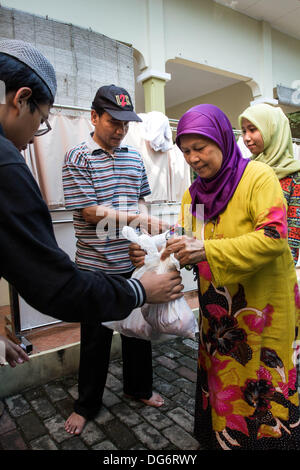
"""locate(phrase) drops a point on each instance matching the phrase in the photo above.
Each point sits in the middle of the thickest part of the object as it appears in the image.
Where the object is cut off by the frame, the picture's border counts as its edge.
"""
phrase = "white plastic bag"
(156, 321)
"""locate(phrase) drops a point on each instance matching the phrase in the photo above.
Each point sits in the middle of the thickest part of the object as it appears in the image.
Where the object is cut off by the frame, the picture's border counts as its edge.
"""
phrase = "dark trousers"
(94, 362)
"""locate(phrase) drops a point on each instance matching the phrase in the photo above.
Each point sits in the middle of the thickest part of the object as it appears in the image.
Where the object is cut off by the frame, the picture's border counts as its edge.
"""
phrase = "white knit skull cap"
(33, 58)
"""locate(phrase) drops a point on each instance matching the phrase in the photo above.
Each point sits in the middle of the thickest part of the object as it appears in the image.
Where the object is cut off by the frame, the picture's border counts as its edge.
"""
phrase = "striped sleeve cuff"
(139, 291)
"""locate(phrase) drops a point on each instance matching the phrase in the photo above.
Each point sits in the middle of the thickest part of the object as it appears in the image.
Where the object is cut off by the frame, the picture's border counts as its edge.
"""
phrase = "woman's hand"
(13, 353)
(136, 255)
(187, 250)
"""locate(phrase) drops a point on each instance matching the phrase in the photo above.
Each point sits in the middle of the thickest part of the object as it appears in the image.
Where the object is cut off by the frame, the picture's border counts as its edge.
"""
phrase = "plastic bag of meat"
(156, 321)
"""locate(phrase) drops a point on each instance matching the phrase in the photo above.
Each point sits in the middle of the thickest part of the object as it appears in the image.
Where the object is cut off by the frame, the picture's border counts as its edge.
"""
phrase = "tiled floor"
(34, 418)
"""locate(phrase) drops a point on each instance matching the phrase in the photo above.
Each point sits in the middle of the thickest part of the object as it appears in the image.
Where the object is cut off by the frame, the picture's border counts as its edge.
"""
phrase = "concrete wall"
(232, 100)
(207, 33)
(4, 294)
(195, 31)
(79, 56)
(126, 23)
(286, 59)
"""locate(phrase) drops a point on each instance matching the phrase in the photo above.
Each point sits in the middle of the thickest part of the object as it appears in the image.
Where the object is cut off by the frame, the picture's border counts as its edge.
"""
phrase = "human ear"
(94, 117)
(21, 97)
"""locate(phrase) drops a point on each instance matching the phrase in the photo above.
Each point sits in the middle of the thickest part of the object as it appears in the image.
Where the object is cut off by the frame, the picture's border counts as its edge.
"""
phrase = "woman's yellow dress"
(247, 396)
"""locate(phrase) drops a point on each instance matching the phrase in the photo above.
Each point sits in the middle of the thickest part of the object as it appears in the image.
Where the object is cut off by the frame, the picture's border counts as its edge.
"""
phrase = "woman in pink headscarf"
(235, 214)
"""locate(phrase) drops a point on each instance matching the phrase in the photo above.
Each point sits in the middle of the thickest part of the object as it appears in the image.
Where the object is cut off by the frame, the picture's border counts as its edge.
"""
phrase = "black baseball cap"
(115, 101)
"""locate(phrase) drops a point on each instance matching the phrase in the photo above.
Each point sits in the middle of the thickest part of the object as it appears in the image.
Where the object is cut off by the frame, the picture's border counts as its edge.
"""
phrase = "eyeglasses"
(42, 130)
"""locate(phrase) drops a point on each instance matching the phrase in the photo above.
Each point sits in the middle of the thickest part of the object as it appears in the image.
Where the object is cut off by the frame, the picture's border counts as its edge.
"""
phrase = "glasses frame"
(40, 132)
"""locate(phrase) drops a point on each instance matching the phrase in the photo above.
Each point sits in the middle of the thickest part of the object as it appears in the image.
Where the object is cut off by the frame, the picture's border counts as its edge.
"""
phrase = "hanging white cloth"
(296, 149)
(45, 157)
(156, 130)
(180, 174)
(167, 171)
(245, 151)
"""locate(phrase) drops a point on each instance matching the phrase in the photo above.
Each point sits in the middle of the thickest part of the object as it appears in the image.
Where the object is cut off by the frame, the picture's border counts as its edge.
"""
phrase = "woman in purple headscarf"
(246, 394)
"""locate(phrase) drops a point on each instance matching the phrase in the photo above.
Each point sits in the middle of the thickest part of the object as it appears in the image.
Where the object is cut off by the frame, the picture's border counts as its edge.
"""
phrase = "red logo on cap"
(123, 100)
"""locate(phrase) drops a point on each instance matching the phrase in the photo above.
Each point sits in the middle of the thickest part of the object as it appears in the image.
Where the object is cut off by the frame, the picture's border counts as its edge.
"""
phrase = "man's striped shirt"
(91, 176)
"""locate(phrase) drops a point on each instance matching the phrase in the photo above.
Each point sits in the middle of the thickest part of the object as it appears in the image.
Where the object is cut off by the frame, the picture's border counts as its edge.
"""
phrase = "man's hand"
(187, 250)
(99, 213)
(161, 288)
(12, 352)
(152, 225)
(136, 255)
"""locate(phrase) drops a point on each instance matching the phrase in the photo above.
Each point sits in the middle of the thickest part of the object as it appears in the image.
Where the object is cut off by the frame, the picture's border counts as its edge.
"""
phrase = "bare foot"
(75, 423)
(155, 400)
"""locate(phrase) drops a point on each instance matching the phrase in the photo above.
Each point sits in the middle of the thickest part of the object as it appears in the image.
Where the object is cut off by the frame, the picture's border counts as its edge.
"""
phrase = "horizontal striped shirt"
(92, 176)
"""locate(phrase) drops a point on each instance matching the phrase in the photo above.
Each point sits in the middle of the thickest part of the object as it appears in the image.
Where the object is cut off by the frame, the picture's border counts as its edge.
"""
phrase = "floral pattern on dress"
(275, 222)
(255, 407)
(249, 304)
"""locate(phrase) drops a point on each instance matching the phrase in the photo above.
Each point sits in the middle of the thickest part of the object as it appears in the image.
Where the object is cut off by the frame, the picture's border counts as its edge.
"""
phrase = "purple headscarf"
(215, 193)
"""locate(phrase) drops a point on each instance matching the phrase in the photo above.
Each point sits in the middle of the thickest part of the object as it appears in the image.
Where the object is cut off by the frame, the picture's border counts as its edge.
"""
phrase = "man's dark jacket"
(41, 272)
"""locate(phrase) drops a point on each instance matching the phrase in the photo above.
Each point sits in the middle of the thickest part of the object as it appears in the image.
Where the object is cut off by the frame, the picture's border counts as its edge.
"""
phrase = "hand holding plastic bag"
(156, 321)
